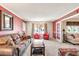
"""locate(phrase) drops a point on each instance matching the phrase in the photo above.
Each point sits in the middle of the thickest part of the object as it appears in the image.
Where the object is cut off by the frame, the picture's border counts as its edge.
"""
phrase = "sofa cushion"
(4, 40)
(69, 37)
(76, 40)
(76, 35)
(73, 35)
(16, 38)
(24, 37)
(17, 41)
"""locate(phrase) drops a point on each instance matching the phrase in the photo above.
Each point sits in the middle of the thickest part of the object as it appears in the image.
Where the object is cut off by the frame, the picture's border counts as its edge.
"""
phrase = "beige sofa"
(6, 47)
(72, 38)
(13, 44)
(20, 42)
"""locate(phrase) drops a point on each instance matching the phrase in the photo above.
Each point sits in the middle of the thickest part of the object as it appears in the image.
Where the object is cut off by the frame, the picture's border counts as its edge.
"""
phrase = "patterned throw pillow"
(17, 41)
(16, 38)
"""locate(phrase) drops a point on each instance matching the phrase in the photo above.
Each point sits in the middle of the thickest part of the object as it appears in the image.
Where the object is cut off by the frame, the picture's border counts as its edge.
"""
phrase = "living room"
(36, 28)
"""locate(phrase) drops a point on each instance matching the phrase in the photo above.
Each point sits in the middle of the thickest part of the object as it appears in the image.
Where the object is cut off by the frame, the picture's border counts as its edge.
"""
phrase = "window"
(73, 29)
(6, 21)
(39, 28)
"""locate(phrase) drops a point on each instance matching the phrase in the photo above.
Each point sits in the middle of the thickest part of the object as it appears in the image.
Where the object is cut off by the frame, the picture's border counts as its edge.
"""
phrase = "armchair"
(46, 36)
(36, 36)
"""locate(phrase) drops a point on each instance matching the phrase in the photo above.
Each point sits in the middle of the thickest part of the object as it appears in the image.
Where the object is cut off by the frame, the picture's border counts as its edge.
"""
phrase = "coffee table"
(37, 49)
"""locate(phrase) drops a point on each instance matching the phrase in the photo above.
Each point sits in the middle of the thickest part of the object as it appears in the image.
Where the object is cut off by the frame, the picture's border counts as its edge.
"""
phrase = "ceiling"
(40, 11)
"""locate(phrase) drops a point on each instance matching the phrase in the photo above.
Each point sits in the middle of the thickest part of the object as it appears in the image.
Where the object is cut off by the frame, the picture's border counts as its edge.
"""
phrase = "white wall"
(49, 27)
(29, 28)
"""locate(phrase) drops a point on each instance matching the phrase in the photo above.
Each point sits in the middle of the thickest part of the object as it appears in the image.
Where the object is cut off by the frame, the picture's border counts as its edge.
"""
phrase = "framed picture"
(7, 22)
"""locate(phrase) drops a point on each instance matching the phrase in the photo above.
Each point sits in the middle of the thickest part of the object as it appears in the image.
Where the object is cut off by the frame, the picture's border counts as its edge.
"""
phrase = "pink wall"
(16, 20)
(54, 29)
(61, 18)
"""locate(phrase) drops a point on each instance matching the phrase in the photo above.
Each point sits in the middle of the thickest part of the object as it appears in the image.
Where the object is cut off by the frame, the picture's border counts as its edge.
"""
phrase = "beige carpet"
(51, 48)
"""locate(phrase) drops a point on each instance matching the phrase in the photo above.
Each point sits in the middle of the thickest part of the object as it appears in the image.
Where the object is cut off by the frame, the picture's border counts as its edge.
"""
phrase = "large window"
(39, 28)
(73, 29)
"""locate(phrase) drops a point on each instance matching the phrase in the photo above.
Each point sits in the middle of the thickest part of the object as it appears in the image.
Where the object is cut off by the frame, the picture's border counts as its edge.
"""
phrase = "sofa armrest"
(19, 45)
(6, 51)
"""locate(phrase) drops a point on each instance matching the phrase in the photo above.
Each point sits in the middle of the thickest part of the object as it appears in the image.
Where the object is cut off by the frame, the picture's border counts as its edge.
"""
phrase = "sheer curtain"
(39, 28)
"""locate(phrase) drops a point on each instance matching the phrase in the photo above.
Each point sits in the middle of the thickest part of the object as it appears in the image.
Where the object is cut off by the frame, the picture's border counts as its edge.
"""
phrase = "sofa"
(72, 38)
(20, 42)
(6, 46)
(13, 44)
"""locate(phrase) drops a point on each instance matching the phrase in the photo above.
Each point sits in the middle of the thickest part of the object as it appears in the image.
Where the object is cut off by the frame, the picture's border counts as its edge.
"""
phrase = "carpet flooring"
(51, 48)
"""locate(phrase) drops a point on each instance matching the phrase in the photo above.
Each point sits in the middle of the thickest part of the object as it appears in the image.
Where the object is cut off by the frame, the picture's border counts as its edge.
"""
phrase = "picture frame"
(7, 22)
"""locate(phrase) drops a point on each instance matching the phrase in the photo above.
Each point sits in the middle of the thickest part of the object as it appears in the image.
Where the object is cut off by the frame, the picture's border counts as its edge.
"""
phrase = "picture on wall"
(7, 22)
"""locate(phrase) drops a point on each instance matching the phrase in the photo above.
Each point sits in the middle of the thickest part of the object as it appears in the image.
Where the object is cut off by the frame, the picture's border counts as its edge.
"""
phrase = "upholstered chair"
(36, 36)
(46, 36)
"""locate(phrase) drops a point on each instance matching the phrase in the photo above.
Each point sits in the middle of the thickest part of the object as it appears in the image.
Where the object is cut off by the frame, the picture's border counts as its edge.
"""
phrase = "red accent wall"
(16, 20)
